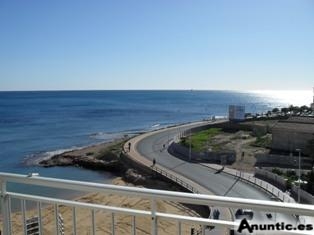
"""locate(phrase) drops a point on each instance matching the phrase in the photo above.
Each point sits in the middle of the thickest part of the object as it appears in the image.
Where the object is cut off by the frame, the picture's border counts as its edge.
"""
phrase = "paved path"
(149, 146)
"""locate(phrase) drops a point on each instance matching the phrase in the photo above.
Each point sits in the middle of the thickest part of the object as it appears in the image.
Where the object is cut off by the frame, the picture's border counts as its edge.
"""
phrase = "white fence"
(175, 179)
(152, 195)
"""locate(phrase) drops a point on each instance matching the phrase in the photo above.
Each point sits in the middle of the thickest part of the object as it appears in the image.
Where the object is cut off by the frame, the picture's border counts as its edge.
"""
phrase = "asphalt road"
(152, 147)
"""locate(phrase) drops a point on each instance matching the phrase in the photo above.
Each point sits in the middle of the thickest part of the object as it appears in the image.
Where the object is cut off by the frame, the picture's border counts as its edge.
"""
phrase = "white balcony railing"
(151, 194)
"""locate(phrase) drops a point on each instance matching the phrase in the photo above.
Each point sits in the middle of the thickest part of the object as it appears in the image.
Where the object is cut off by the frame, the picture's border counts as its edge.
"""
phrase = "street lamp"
(299, 176)
(190, 146)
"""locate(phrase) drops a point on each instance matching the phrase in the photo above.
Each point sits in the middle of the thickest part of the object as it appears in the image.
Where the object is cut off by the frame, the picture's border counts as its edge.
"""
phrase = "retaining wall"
(183, 152)
(271, 178)
(284, 161)
(305, 197)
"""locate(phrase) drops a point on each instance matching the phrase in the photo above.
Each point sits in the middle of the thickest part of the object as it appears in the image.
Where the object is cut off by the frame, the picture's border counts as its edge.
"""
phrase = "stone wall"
(130, 163)
(212, 157)
(284, 161)
(271, 178)
(305, 197)
(290, 140)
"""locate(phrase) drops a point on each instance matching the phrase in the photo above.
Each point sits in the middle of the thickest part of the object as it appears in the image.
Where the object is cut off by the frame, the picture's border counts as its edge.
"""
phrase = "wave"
(109, 136)
(155, 125)
(104, 136)
(159, 126)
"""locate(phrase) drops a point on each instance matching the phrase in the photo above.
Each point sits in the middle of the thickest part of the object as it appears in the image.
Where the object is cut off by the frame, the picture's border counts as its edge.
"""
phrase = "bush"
(262, 141)
(277, 171)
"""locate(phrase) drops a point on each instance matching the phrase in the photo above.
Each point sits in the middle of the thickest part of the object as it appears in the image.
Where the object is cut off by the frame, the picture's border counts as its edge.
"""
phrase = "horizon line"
(192, 89)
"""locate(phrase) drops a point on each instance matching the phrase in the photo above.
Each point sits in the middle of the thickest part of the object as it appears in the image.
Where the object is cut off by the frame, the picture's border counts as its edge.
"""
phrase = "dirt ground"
(240, 142)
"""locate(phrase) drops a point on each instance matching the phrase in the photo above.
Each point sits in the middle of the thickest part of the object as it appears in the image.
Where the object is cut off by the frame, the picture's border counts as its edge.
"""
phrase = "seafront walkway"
(244, 176)
(131, 149)
(139, 158)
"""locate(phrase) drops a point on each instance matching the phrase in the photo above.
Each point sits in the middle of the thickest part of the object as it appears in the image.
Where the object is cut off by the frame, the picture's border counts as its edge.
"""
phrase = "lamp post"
(190, 146)
(299, 175)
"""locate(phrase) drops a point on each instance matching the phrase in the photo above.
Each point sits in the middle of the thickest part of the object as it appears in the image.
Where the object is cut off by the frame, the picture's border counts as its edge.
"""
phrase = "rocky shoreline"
(86, 162)
(104, 156)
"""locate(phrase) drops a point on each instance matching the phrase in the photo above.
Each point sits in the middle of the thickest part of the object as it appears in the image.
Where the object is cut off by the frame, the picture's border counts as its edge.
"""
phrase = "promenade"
(131, 148)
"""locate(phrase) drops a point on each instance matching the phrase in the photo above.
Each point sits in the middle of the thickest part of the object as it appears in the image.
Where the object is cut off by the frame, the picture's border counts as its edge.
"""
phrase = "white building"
(236, 112)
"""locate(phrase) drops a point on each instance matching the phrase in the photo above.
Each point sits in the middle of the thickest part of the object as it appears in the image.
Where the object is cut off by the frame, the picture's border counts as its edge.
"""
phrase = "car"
(244, 213)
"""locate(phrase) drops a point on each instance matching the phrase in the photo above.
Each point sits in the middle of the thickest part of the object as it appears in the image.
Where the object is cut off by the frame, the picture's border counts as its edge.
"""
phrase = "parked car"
(244, 213)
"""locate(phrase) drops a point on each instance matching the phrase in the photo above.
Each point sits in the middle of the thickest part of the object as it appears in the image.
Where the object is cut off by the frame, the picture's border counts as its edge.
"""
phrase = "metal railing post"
(93, 222)
(112, 224)
(153, 215)
(179, 228)
(74, 220)
(203, 229)
(39, 205)
(23, 208)
(56, 211)
(133, 225)
(5, 208)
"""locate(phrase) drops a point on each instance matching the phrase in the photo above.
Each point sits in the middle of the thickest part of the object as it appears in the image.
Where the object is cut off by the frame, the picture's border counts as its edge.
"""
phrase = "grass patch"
(262, 141)
(200, 139)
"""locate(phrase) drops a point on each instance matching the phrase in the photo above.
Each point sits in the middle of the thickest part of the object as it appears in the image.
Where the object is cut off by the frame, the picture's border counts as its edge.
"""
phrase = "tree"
(275, 110)
(304, 108)
(296, 109)
(284, 110)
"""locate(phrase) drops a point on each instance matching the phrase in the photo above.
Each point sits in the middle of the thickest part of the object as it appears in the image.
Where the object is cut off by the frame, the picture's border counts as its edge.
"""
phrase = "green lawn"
(200, 139)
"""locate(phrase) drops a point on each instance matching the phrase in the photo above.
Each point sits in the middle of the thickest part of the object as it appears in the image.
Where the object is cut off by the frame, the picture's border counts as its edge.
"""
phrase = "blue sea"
(38, 124)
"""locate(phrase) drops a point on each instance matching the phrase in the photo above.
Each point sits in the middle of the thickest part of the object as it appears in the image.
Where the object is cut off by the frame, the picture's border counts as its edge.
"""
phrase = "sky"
(160, 44)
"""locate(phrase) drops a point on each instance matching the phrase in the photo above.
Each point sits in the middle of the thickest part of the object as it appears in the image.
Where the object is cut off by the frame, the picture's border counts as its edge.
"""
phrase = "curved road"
(151, 146)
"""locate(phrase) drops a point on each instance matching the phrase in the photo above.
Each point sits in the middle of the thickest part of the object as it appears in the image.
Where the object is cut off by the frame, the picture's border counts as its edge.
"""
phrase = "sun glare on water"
(289, 97)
